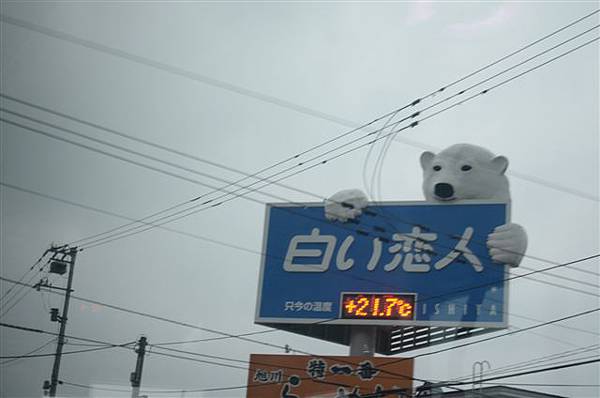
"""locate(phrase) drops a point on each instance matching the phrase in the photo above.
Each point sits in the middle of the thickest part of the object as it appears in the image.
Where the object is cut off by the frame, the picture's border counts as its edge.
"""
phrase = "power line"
(534, 362)
(4, 299)
(324, 321)
(552, 368)
(227, 244)
(388, 363)
(576, 315)
(255, 175)
(64, 353)
(268, 98)
(413, 124)
(545, 384)
(30, 352)
(241, 337)
(557, 367)
(88, 147)
(217, 241)
(445, 385)
(536, 67)
(112, 145)
(61, 36)
(121, 216)
(184, 324)
(40, 331)
(110, 345)
(16, 297)
(459, 93)
(142, 314)
(91, 388)
(302, 369)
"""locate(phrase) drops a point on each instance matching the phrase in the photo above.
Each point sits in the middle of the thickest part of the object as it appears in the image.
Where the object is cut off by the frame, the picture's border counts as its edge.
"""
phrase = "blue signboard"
(399, 263)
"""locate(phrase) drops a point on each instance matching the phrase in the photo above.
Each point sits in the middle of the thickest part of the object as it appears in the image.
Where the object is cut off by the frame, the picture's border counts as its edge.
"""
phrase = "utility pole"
(62, 260)
(136, 377)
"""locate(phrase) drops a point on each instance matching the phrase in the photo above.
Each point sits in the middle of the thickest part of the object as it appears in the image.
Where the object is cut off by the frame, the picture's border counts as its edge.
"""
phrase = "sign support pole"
(363, 340)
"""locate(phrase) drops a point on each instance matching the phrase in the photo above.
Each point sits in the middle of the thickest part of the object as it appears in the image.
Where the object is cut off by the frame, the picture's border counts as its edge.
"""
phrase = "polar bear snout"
(443, 190)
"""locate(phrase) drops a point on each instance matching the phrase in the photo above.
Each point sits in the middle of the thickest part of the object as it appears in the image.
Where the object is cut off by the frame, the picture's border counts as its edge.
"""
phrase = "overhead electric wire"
(239, 336)
(529, 372)
(227, 244)
(104, 347)
(554, 363)
(5, 299)
(117, 215)
(249, 368)
(461, 92)
(544, 384)
(292, 368)
(41, 331)
(376, 176)
(487, 90)
(421, 300)
(534, 361)
(6, 293)
(497, 85)
(110, 345)
(435, 114)
(385, 392)
(66, 383)
(307, 353)
(488, 379)
(29, 353)
(576, 315)
(261, 96)
(15, 299)
(152, 225)
(171, 164)
(393, 112)
(214, 331)
(235, 336)
(180, 342)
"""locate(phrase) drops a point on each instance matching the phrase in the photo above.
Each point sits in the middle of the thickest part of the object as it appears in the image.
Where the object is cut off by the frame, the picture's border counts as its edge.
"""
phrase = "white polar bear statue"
(462, 171)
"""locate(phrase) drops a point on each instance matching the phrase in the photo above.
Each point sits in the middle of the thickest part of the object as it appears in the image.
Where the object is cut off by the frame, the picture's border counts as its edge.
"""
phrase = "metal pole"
(63, 324)
(363, 340)
(136, 377)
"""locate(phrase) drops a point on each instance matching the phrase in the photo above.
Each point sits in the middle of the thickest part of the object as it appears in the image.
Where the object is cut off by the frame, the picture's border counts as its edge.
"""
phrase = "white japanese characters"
(294, 252)
(413, 251)
(311, 306)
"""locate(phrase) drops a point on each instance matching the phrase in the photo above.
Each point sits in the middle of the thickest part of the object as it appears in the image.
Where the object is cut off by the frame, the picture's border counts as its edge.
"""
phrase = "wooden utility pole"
(63, 260)
(136, 377)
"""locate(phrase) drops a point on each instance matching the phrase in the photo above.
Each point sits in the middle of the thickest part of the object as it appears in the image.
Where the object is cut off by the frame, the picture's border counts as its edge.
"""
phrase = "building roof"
(499, 392)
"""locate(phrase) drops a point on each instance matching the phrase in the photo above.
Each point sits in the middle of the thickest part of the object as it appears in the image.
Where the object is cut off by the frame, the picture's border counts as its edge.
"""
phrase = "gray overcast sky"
(356, 61)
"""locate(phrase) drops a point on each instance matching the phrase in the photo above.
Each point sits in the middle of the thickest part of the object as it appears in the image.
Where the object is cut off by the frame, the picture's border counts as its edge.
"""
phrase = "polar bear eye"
(437, 168)
(466, 167)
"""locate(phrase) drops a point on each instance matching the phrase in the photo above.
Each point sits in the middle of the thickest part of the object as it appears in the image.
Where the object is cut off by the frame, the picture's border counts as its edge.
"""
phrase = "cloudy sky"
(246, 85)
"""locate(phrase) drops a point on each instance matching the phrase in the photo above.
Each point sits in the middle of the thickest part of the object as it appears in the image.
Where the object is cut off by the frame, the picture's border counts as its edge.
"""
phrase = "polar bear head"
(464, 171)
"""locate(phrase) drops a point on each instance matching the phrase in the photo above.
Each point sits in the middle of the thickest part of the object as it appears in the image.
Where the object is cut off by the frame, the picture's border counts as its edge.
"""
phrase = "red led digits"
(377, 306)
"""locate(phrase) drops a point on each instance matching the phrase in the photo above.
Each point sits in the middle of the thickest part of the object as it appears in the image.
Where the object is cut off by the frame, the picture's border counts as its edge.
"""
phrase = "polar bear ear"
(500, 164)
(426, 159)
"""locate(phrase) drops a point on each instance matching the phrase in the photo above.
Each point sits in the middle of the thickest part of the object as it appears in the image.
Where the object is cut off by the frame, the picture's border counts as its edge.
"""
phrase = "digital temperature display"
(378, 306)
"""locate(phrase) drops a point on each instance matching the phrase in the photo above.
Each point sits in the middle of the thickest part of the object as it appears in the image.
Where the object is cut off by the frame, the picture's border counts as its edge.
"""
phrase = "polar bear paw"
(345, 205)
(507, 244)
